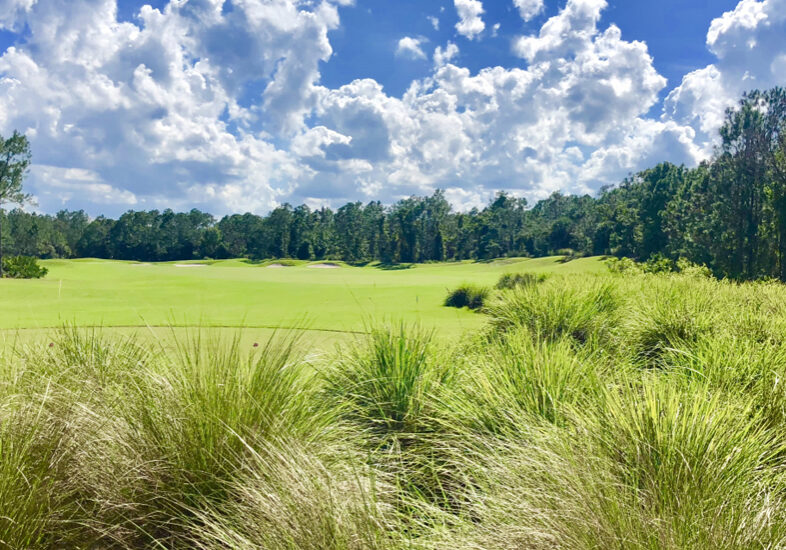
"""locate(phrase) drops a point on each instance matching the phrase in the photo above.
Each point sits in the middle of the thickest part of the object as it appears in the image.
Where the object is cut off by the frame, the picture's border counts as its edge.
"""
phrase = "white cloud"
(12, 12)
(158, 107)
(443, 56)
(751, 53)
(61, 185)
(529, 8)
(411, 47)
(167, 112)
(575, 119)
(470, 23)
(434, 21)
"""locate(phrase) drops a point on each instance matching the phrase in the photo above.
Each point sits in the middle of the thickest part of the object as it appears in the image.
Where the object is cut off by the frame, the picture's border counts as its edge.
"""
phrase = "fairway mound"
(324, 266)
(190, 265)
(277, 266)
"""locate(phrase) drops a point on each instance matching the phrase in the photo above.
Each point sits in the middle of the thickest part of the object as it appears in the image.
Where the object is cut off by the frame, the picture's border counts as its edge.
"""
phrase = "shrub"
(658, 263)
(467, 295)
(568, 255)
(509, 281)
(23, 267)
(690, 269)
(623, 265)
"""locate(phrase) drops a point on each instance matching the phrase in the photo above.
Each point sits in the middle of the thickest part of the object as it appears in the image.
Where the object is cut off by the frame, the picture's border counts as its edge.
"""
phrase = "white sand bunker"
(278, 266)
(190, 265)
(324, 266)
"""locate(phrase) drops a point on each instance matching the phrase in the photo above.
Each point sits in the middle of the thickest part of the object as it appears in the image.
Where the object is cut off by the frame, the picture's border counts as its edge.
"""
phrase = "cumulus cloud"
(529, 8)
(434, 21)
(446, 54)
(411, 47)
(167, 112)
(470, 23)
(575, 119)
(749, 45)
(160, 105)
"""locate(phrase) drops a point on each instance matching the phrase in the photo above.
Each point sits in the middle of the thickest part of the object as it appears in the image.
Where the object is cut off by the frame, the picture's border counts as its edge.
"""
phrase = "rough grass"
(618, 411)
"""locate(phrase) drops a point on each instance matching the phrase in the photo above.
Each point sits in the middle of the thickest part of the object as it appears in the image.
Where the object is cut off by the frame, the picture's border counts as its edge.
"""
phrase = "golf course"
(328, 300)
(392, 275)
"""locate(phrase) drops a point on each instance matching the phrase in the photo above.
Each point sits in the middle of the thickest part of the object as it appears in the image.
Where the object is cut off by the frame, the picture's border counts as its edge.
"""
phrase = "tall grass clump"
(467, 295)
(558, 309)
(192, 416)
(386, 389)
(384, 384)
(287, 497)
(701, 464)
(517, 381)
(675, 316)
(647, 466)
(34, 492)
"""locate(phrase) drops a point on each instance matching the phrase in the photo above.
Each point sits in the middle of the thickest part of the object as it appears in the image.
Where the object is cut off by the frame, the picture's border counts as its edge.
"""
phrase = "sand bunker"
(190, 265)
(324, 266)
(278, 266)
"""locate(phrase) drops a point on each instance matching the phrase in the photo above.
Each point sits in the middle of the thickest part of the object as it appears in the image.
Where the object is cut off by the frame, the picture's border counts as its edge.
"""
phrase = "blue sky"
(240, 105)
(675, 32)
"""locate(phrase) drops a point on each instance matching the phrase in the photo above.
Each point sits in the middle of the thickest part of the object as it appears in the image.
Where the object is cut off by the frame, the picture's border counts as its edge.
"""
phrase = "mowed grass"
(235, 293)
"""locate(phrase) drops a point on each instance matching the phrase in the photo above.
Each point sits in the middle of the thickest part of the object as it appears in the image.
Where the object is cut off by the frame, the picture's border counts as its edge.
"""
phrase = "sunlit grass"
(589, 412)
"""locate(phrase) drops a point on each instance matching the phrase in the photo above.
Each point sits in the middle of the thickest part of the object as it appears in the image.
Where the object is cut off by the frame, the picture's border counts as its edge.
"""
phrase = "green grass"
(235, 293)
(587, 411)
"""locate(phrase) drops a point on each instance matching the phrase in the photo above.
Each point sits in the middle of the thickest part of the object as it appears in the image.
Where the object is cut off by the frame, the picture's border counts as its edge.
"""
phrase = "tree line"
(729, 213)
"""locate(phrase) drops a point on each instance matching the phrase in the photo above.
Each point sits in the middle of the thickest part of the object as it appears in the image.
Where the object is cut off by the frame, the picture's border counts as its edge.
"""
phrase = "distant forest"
(729, 213)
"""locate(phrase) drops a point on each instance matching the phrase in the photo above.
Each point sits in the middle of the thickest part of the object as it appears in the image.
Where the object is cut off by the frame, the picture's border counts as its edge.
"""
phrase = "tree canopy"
(14, 162)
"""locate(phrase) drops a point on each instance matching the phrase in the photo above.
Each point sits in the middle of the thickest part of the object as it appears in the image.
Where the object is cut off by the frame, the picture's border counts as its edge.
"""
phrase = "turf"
(238, 293)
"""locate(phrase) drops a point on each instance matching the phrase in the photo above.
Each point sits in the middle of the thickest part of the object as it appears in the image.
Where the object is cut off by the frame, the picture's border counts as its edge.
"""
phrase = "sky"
(242, 105)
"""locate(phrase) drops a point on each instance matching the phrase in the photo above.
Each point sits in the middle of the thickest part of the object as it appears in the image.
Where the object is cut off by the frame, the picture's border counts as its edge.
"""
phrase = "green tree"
(14, 162)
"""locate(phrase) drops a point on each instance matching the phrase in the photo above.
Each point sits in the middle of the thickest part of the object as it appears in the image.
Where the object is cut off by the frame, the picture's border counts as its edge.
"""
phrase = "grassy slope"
(234, 293)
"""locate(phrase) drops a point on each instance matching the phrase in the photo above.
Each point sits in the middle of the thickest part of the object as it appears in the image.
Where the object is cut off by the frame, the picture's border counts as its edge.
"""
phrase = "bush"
(23, 267)
(467, 295)
(690, 269)
(658, 263)
(509, 281)
(623, 265)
